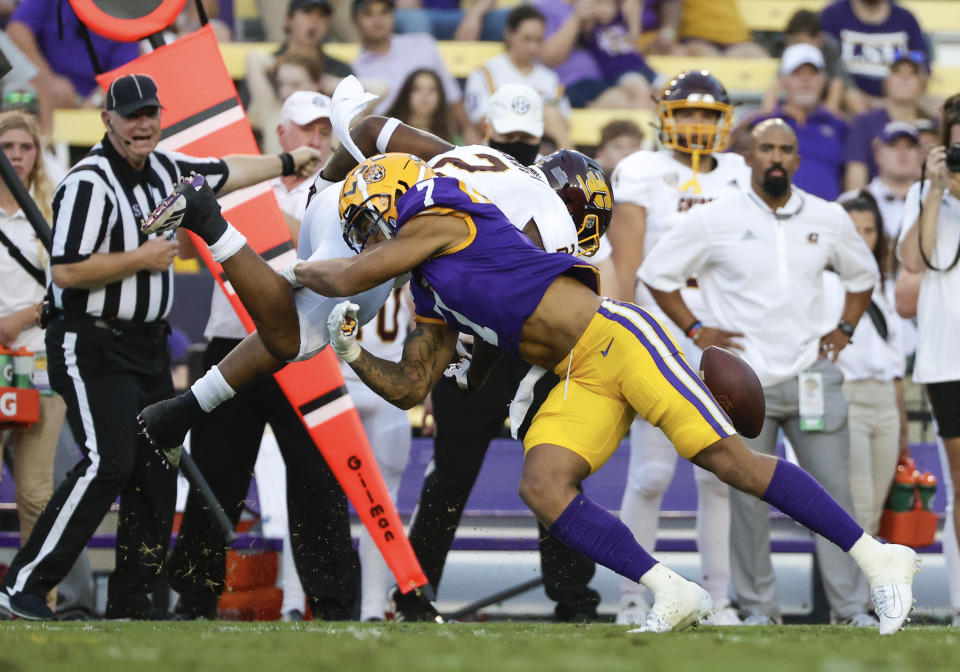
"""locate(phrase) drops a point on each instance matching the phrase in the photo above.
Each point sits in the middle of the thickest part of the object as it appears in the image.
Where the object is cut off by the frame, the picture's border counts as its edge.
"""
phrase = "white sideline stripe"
(80, 488)
(668, 359)
(204, 128)
(329, 411)
(277, 263)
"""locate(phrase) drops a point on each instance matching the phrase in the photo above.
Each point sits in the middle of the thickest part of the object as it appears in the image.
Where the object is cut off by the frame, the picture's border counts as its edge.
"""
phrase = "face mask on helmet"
(368, 200)
(695, 90)
(584, 188)
(597, 211)
(363, 221)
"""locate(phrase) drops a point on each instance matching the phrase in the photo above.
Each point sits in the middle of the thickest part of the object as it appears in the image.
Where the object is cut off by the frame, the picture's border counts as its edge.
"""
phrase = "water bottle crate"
(916, 528)
(19, 407)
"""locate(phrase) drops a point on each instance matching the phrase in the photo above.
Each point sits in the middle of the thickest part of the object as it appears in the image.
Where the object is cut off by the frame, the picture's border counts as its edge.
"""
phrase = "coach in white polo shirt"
(759, 256)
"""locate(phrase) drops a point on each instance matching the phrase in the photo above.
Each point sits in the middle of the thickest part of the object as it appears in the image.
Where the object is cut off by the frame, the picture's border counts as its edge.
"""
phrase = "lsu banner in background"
(202, 116)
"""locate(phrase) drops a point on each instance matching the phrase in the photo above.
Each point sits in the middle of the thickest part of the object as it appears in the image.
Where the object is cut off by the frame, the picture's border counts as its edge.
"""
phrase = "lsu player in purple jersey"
(543, 207)
(472, 271)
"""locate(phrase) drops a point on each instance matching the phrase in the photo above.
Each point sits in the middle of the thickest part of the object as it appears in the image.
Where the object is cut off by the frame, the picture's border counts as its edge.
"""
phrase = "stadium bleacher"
(744, 78)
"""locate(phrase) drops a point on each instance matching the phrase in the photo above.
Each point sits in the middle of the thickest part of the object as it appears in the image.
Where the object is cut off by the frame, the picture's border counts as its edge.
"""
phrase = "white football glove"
(289, 273)
(460, 368)
(344, 327)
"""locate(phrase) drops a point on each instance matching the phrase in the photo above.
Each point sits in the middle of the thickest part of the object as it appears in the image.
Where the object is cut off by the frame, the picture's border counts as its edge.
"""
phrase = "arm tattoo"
(407, 382)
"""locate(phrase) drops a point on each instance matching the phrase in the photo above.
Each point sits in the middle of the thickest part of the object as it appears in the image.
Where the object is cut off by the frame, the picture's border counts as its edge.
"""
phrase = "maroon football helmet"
(701, 90)
(581, 184)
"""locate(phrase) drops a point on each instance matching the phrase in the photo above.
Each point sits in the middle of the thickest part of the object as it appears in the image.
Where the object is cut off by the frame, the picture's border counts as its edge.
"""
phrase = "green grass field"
(484, 647)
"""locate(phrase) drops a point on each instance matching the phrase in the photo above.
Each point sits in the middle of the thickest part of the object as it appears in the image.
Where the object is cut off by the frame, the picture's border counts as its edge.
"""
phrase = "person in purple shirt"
(65, 68)
(570, 49)
(820, 133)
(904, 87)
(870, 33)
(608, 40)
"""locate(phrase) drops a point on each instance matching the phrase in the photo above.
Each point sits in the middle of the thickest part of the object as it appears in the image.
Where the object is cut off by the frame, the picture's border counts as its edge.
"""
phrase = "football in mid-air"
(736, 388)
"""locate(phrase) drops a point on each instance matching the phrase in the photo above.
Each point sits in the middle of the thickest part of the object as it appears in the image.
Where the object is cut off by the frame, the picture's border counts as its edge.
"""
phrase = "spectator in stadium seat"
(189, 20)
(903, 88)
(421, 103)
(871, 33)
(588, 44)
(23, 262)
(520, 64)
(873, 367)
(820, 133)
(66, 77)
(659, 23)
(618, 139)
(712, 28)
(898, 157)
(306, 27)
(804, 28)
(272, 79)
(929, 130)
(388, 58)
(928, 246)
(445, 20)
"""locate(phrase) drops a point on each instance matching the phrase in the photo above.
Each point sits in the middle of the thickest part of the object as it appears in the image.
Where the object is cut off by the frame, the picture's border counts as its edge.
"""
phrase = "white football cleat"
(682, 605)
(633, 610)
(890, 572)
(726, 616)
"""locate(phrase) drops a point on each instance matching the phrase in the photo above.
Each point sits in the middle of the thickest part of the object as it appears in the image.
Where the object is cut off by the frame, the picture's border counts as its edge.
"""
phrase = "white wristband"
(386, 133)
(350, 354)
(321, 182)
(289, 273)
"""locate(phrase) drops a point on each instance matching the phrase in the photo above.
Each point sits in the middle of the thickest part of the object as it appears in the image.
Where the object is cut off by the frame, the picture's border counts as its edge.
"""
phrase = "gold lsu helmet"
(368, 200)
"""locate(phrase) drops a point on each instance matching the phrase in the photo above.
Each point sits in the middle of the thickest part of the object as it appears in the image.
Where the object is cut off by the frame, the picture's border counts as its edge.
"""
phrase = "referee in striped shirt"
(111, 289)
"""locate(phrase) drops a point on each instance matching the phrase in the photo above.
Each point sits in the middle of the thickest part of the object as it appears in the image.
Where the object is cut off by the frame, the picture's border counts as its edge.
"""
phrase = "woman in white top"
(520, 64)
(20, 295)
(873, 366)
(930, 244)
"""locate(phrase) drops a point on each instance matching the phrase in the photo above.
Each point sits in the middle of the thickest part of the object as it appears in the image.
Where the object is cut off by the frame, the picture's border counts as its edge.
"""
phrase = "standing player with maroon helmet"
(651, 189)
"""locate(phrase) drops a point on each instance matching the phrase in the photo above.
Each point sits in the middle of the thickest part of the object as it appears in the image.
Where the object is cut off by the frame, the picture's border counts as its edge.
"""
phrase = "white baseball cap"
(800, 54)
(304, 107)
(516, 107)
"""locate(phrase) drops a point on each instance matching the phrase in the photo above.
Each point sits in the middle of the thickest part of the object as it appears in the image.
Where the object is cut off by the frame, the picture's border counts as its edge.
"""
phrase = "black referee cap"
(130, 93)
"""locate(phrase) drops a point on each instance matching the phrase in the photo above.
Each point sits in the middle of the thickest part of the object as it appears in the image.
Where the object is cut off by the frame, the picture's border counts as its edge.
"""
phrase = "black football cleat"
(413, 606)
(193, 206)
(165, 424)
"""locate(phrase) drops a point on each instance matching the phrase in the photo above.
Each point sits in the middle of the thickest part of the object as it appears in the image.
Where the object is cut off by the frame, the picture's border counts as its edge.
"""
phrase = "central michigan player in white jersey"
(651, 189)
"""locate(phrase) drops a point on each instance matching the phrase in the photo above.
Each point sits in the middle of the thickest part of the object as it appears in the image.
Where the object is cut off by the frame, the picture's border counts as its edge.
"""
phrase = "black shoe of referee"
(192, 205)
(165, 424)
